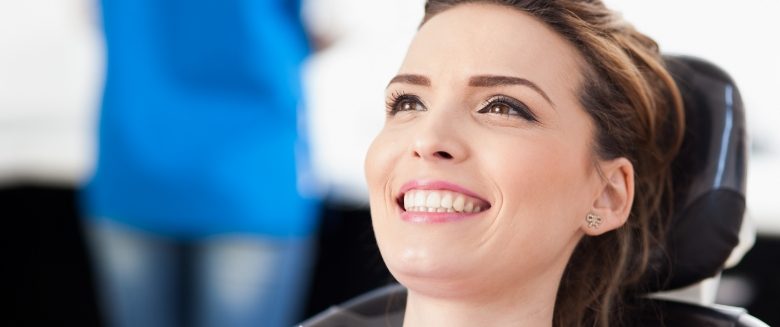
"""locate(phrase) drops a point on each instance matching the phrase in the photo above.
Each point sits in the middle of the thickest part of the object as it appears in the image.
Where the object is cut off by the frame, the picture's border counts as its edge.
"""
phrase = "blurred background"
(52, 72)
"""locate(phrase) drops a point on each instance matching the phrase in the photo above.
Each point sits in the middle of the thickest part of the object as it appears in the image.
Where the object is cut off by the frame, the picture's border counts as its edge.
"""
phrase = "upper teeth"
(439, 201)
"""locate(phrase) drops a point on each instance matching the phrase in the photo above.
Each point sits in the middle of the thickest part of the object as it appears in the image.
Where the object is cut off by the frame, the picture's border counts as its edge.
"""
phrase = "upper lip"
(426, 184)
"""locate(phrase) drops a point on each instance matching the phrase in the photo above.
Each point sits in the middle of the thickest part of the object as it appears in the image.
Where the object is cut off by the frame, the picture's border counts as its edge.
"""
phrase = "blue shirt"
(198, 130)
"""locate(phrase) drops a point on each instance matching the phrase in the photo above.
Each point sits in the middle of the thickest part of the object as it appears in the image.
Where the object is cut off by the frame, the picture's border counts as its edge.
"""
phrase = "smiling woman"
(524, 164)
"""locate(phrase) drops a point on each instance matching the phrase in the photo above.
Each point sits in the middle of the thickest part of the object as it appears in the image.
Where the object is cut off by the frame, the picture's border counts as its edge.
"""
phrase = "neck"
(500, 308)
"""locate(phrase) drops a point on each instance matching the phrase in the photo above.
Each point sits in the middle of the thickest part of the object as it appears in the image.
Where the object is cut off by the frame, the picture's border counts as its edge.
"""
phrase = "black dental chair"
(709, 174)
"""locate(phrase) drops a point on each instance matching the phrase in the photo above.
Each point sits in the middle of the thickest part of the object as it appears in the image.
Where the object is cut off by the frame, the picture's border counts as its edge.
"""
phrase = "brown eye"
(410, 105)
(501, 109)
(404, 102)
(502, 105)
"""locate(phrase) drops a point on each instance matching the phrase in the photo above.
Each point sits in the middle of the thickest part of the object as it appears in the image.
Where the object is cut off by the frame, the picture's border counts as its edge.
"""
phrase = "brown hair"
(638, 114)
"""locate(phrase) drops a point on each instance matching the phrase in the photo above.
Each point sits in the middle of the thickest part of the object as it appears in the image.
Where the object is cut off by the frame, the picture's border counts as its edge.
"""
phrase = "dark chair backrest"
(709, 178)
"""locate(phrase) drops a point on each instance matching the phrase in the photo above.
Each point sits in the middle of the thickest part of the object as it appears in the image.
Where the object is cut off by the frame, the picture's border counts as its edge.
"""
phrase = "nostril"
(443, 155)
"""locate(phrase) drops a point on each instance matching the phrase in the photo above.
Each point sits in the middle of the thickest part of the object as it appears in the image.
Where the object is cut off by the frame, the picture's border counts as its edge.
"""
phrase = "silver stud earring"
(593, 220)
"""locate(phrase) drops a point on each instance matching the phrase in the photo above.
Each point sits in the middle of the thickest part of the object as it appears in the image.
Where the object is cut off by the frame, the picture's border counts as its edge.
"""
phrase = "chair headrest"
(709, 178)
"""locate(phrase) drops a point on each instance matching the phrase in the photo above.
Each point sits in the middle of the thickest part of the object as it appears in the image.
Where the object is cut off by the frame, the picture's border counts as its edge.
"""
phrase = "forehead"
(473, 39)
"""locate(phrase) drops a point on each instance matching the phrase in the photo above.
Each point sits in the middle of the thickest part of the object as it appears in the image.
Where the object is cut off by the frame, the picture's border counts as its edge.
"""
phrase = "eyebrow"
(411, 79)
(475, 81)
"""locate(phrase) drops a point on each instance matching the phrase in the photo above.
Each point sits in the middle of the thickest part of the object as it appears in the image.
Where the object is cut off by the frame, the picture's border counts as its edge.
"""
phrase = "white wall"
(50, 77)
(743, 37)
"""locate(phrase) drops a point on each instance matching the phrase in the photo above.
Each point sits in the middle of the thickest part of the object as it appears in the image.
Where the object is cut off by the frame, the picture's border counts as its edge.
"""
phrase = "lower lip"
(435, 217)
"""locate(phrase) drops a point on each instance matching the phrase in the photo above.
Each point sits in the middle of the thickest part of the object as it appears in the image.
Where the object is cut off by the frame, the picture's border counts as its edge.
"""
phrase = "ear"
(614, 198)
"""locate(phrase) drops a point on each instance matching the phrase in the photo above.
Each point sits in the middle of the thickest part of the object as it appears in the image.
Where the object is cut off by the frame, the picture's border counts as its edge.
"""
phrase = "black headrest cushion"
(709, 179)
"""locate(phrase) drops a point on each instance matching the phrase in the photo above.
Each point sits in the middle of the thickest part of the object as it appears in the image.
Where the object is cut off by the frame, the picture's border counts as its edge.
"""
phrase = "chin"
(429, 269)
(433, 284)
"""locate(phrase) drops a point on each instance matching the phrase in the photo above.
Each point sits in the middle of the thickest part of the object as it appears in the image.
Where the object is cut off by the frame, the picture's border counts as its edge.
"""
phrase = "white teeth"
(439, 201)
(434, 199)
(446, 200)
(419, 199)
(458, 203)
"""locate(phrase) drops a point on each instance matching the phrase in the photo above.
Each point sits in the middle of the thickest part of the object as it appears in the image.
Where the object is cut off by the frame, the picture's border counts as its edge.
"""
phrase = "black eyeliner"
(522, 109)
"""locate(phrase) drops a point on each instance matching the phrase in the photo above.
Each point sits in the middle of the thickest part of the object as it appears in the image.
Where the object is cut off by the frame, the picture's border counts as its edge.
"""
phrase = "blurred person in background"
(199, 211)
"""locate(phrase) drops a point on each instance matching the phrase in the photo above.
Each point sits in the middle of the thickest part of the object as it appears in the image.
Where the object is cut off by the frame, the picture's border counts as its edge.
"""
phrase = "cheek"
(543, 187)
(542, 175)
(380, 160)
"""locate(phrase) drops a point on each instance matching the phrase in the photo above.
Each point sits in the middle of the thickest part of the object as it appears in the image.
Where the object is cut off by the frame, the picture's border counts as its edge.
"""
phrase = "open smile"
(438, 201)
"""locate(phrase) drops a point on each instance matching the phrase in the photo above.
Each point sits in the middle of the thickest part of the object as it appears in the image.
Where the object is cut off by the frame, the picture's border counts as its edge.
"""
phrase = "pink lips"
(436, 217)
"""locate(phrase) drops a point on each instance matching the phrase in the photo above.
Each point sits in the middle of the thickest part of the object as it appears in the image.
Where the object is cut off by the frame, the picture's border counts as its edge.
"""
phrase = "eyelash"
(519, 107)
(397, 98)
(521, 110)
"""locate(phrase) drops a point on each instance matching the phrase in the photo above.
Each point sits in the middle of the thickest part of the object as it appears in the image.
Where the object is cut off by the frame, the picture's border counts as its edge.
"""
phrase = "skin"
(501, 266)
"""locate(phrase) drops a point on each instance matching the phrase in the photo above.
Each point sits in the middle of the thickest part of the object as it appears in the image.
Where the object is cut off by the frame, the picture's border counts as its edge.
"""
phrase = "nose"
(439, 141)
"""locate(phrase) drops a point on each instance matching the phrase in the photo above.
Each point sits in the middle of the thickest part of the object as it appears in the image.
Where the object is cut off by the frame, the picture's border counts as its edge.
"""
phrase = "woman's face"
(483, 173)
